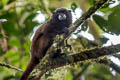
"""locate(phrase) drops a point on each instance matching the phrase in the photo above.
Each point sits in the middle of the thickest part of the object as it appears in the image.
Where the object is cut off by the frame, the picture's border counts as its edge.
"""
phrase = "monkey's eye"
(62, 16)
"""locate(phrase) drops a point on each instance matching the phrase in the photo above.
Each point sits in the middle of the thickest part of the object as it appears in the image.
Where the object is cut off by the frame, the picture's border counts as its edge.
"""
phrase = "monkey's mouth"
(62, 16)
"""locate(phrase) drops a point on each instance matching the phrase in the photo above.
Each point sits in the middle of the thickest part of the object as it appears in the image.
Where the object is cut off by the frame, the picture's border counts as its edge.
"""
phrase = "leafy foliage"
(111, 24)
(15, 36)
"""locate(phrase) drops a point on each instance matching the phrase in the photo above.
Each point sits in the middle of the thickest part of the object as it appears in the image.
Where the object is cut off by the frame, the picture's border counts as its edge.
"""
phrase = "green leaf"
(107, 9)
(91, 2)
(10, 54)
(14, 42)
(11, 28)
(14, 57)
(114, 21)
(4, 2)
(27, 47)
(52, 9)
(101, 22)
(69, 75)
(1, 36)
(73, 6)
(10, 16)
(29, 24)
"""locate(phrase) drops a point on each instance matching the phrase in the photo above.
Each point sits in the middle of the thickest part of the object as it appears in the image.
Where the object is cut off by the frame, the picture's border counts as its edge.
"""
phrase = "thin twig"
(111, 64)
(10, 67)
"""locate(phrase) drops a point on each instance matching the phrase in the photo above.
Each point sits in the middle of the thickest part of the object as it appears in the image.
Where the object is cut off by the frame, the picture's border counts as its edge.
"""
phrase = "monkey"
(44, 37)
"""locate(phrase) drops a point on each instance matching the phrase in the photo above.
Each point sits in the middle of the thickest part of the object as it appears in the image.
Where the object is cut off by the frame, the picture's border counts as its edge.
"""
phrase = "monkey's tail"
(29, 69)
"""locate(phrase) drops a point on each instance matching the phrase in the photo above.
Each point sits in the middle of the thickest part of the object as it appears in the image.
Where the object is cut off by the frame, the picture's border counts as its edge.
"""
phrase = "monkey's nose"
(62, 16)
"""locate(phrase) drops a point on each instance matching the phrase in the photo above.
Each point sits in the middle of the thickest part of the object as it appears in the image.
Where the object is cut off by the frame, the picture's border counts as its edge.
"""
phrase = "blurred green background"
(16, 32)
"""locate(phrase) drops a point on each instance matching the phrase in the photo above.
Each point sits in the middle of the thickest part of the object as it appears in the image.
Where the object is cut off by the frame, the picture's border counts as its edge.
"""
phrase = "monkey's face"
(63, 16)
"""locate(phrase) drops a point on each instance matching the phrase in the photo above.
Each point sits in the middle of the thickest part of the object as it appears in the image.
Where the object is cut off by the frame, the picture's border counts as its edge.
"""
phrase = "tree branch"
(81, 72)
(49, 64)
(109, 63)
(84, 17)
(82, 56)
(10, 67)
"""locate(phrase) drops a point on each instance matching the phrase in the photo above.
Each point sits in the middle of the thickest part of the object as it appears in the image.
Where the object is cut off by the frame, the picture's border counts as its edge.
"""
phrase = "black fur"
(44, 37)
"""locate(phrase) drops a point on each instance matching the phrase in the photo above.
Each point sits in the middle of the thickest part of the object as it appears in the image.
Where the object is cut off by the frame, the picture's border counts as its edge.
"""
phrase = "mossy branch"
(90, 54)
(82, 56)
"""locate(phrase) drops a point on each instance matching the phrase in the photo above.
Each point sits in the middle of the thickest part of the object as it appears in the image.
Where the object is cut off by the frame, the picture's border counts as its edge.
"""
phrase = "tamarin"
(44, 37)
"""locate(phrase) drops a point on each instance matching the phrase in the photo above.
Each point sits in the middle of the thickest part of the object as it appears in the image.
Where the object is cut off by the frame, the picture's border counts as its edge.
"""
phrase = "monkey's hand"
(63, 31)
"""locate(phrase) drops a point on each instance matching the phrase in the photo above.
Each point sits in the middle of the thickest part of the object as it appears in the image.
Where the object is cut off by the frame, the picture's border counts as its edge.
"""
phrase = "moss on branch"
(89, 54)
